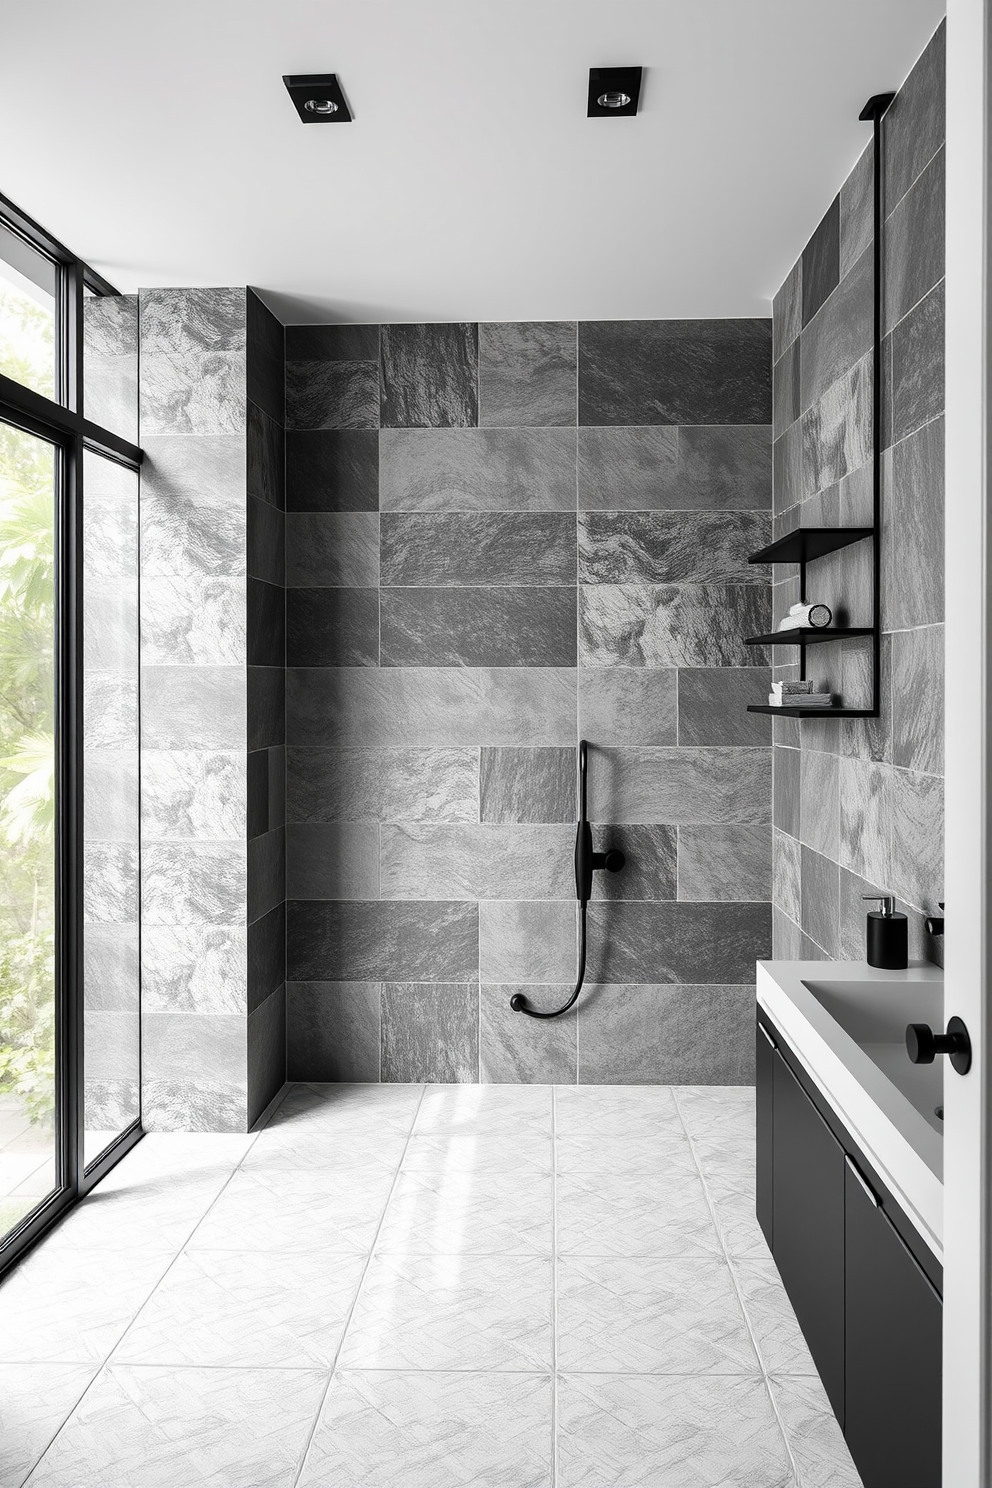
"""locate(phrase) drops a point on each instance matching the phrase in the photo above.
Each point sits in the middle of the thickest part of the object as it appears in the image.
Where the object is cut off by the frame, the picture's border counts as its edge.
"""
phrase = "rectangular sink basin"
(874, 1015)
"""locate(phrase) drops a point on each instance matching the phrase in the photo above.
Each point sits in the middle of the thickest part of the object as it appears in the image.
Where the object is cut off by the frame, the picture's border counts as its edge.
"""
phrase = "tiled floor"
(402, 1287)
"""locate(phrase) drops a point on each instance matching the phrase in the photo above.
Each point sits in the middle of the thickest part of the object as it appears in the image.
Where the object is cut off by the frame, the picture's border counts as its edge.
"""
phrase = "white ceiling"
(158, 141)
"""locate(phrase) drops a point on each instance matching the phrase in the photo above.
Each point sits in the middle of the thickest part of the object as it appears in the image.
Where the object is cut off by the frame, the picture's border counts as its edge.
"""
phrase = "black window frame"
(63, 424)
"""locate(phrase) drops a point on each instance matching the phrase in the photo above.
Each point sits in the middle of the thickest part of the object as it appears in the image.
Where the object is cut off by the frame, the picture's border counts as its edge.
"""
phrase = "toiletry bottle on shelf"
(888, 935)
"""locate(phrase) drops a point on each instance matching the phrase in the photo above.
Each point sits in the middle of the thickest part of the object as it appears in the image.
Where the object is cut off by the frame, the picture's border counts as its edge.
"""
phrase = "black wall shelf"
(809, 636)
(807, 543)
(787, 712)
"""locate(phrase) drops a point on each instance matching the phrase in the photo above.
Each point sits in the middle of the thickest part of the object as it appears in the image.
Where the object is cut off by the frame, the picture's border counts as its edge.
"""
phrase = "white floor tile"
(469, 1212)
(134, 1210)
(486, 1108)
(667, 1155)
(34, 1401)
(637, 1113)
(469, 1150)
(633, 1214)
(300, 1148)
(815, 1439)
(781, 1345)
(73, 1306)
(274, 1210)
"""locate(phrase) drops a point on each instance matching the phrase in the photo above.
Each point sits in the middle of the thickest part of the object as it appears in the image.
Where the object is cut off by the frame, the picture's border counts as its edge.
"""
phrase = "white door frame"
(967, 1145)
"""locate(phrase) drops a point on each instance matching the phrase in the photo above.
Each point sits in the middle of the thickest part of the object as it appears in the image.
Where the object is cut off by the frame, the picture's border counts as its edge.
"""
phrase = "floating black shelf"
(807, 543)
(808, 635)
(788, 712)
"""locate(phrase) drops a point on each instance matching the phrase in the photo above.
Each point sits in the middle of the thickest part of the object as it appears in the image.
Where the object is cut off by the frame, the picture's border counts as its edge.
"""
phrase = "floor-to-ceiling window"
(69, 814)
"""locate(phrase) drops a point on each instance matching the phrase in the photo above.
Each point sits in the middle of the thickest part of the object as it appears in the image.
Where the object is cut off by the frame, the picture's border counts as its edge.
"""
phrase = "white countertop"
(895, 1127)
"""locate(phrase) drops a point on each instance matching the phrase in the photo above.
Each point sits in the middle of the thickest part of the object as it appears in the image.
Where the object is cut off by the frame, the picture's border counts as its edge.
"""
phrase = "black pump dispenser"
(888, 935)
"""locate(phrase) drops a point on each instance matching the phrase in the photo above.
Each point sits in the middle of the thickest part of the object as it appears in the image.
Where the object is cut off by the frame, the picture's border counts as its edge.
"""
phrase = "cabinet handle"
(857, 1173)
(768, 1038)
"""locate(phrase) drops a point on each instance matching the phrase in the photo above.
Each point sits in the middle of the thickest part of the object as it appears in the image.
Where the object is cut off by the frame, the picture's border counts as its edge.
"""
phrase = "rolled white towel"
(811, 616)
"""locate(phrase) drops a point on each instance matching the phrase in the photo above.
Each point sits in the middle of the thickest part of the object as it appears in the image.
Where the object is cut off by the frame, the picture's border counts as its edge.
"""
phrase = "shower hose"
(585, 862)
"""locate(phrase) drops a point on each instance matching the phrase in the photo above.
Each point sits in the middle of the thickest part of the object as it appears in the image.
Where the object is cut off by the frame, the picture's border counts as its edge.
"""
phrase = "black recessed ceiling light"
(613, 91)
(318, 98)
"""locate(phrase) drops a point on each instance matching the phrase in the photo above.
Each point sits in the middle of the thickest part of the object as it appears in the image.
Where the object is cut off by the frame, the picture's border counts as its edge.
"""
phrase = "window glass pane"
(110, 363)
(28, 284)
(27, 825)
(111, 1051)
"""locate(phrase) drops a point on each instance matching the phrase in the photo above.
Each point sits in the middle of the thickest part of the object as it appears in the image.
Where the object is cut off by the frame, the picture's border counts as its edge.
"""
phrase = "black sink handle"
(922, 1044)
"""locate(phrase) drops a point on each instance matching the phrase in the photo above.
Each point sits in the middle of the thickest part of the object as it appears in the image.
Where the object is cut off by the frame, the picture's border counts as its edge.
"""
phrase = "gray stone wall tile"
(179, 320)
(787, 311)
(111, 968)
(429, 1033)
(665, 468)
(664, 943)
(265, 472)
(332, 395)
(111, 881)
(193, 883)
(266, 873)
(527, 941)
(821, 262)
(673, 625)
(429, 376)
(380, 941)
(527, 785)
(111, 807)
(266, 688)
(454, 860)
(787, 768)
(857, 216)
(628, 705)
(266, 1054)
(332, 860)
(369, 784)
(194, 968)
(917, 378)
(820, 891)
(724, 863)
(265, 542)
(787, 938)
(671, 548)
(786, 406)
(913, 589)
(840, 333)
(332, 627)
(332, 470)
(865, 819)
(193, 794)
(713, 706)
(477, 548)
(914, 243)
(514, 1050)
(650, 869)
(477, 470)
(266, 346)
(478, 627)
(787, 469)
(194, 1046)
(637, 1034)
(918, 699)
(190, 392)
(332, 549)
(333, 1031)
(867, 738)
(820, 812)
(333, 343)
(193, 707)
(913, 128)
(836, 431)
(266, 955)
(786, 870)
(193, 1105)
(681, 786)
(916, 803)
(527, 372)
(194, 622)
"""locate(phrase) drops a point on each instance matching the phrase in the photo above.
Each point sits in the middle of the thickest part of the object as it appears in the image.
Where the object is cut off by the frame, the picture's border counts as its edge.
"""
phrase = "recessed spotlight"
(318, 98)
(613, 91)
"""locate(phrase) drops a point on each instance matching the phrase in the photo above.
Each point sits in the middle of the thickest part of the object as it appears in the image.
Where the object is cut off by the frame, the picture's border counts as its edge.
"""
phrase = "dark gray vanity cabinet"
(865, 1288)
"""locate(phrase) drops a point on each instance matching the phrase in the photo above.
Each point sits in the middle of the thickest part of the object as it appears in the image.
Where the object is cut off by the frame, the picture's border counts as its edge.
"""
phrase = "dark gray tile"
(675, 372)
(266, 542)
(787, 938)
(650, 1035)
(380, 941)
(484, 548)
(787, 793)
(666, 943)
(673, 625)
(266, 707)
(527, 372)
(329, 549)
(527, 785)
(457, 470)
(265, 341)
(786, 881)
(459, 860)
(725, 863)
(787, 469)
(266, 624)
(664, 468)
(865, 819)
(916, 803)
(913, 589)
(820, 813)
(528, 941)
(821, 901)
(509, 627)
(786, 406)
(429, 376)
(650, 869)
(918, 699)
(266, 873)
(332, 470)
(787, 311)
(839, 334)
(332, 1031)
(429, 1033)
(913, 126)
(671, 548)
(713, 705)
(332, 627)
(514, 1050)
(265, 457)
(277, 786)
(691, 786)
(193, 708)
(857, 209)
(332, 860)
(837, 430)
(332, 395)
(332, 343)
(628, 705)
(867, 738)
(353, 706)
(258, 792)
(914, 243)
(821, 262)
(918, 366)
(266, 955)
(266, 1053)
(382, 784)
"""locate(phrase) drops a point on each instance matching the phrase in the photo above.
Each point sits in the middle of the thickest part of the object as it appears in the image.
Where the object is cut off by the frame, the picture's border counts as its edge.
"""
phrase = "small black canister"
(888, 935)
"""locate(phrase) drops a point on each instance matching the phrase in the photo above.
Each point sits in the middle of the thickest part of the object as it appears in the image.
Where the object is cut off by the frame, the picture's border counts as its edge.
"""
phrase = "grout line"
(554, 1278)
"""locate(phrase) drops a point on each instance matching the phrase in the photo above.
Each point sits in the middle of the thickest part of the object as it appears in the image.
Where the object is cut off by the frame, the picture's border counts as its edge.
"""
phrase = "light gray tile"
(469, 1213)
(193, 707)
(691, 786)
(628, 705)
(72, 1306)
(527, 785)
(527, 372)
(671, 548)
(204, 1046)
(787, 938)
(787, 772)
(192, 392)
(820, 811)
(332, 860)
(441, 548)
(194, 968)
(839, 334)
(650, 868)
(865, 806)
(462, 470)
(35, 1399)
(663, 943)
(820, 889)
(914, 593)
(201, 319)
(110, 799)
(634, 1214)
(724, 862)
(687, 625)
(332, 1031)
(713, 705)
(193, 622)
(918, 699)
(187, 793)
(815, 1439)
(914, 243)
(332, 549)
(646, 1033)
(917, 362)
(369, 784)
(787, 310)
(916, 803)
(111, 974)
(488, 861)
(785, 874)
(194, 883)
(527, 942)
(836, 430)
(369, 942)
(495, 627)
(111, 883)
(199, 1105)
(515, 1049)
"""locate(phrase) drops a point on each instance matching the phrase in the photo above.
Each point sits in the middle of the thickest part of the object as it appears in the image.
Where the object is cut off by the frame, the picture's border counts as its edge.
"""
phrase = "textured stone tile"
(785, 391)
(527, 372)
(913, 127)
(382, 784)
(914, 243)
(266, 624)
(193, 1105)
(428, 376)
(689, 625)
(787, 311)
(463, 470)
(265, 458)
(724, 862)
(867, 738)
(332, 343)
(36, 1398)
(374, 942)
(918, 366)
(514, 1049)
(865, 819)
(631, 1034)
(266, 344)
(111, 884)
(662, 467)
(454, 860)
(650, 869)
(332, 860)
(111, 809)
(787, 470)
(663, 943)
(671, 548)
(190, 392)
(680, 785)
(193, 794)
(193, 319)
(675, 372)
(331, 395)
(111, 974)
(528, 942)
(820, 888)
(914, 593)
(266, 707)
(266, 872)
(815, 1439)
(820, 812)
(836, 431)
(445, 706)
(332, 470)
(332, 1031)
(202, 1048)
(498, 627)
(266, 955)
(839, 334)
(918, 699)
(787, 938)
(821, 262)
(438, 548)
(332, 548)
(266, 1053)
(430, 1033)
(857, 209)
(713, 706)
(628, 705)
(332, 627)
(189, 968)
(192, 505)
(528, 785)
(265, 542)
(193, 883)
(786, 883)
(916, 803)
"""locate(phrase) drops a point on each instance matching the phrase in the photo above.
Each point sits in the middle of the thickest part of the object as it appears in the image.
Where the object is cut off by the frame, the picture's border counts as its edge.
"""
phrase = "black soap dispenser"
(888, 935)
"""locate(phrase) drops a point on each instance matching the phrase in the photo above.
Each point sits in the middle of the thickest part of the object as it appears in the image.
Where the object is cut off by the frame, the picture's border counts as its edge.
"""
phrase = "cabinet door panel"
(764, 1131)
(893, 1319)
(808, 1221)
